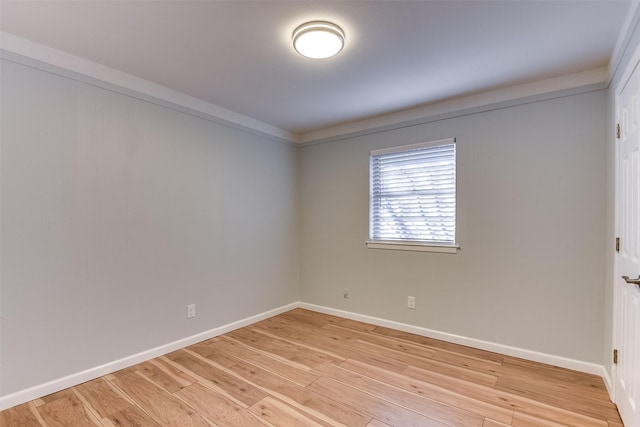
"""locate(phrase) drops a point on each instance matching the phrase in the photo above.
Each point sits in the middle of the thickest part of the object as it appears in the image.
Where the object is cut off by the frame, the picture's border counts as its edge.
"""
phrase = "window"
(413, 197)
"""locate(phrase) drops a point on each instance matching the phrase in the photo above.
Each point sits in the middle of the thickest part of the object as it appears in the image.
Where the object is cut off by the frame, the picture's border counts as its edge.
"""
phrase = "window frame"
(407, 244)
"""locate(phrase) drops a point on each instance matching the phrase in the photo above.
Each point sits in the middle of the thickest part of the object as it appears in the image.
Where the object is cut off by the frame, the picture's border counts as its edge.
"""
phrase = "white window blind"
(413, 193)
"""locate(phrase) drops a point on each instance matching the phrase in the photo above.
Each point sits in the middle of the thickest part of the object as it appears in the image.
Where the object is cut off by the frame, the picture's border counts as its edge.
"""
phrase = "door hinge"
(615, 356)
(618, 131)
(617, 244)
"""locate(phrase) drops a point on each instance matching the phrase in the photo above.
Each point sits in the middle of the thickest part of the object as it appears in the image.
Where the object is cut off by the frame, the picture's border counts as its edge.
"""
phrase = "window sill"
(412, 246)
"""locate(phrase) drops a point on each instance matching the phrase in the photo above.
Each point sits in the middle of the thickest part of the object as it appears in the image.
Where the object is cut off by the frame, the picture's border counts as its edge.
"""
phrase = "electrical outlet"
(411, 302)
(346, 293)
(191, 311)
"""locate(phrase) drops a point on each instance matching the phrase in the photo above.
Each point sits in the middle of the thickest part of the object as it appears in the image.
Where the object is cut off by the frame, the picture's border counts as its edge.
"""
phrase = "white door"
(627, 293)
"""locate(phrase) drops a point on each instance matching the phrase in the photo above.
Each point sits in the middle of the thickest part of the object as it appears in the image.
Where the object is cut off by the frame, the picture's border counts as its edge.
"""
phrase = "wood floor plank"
(527, 420)
(431, 391)
(485, 366)
(102, 398)
(318, 355)
(386, 342)
(283, 327)
(217, 408)
(493, 423)
(433, 409)
(281, 414)
(212, 350)
(65, 412)
(293, 373)
(37, 402)
(35, 412)
(562, 380)
(132, 416)
(554, 372)
(165, 375)
(240, 390)
(551, 396)
(282, 347)
(575, 391)
(66, 393)
(163, 407)
(303, 368)
(452, 371)
(326, 342)
(322, 407)
(438, 344)
(354, 325)
(503, 399)
(372, 406)
(351, 350)
(394, 354)
(309, 317)
(125, 371)
(19, 416)
(481, 371)
(560, 416)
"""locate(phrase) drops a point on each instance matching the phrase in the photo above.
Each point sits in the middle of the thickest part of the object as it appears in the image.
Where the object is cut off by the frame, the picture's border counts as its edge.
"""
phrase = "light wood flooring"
(303, 368)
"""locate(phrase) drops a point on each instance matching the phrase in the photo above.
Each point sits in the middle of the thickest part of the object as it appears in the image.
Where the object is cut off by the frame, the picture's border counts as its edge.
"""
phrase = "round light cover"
(318, 39)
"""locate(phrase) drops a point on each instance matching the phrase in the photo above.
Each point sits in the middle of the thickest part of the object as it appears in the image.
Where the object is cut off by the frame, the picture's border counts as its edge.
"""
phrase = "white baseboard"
(550, 359)
(608, 382)
(41, 390)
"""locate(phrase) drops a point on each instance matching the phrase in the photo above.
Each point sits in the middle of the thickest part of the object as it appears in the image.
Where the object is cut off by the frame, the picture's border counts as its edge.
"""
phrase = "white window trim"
(391, 150)
(409, 245)
(415, 246)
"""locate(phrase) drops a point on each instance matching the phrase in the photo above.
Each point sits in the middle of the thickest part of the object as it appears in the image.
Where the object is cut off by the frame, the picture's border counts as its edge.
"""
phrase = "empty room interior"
(432, 220)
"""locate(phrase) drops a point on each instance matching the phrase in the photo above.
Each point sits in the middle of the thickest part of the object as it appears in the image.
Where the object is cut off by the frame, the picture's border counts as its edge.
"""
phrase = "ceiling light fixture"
(318, 39)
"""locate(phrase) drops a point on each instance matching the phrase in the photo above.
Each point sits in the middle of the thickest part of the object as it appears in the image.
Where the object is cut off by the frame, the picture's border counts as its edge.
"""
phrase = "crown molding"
(624, 39)
(570, 84)
(26, 52)
(20, 50)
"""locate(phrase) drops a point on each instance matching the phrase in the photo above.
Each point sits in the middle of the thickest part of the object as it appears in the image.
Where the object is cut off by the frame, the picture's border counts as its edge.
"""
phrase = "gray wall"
(531, 215)
(117, 213)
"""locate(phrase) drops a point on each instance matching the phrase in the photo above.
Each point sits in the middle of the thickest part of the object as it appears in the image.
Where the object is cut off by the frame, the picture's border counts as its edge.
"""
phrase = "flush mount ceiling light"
(318, 39)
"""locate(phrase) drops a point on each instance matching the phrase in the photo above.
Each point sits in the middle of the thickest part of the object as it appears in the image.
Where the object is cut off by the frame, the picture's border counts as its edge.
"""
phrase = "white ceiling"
(398, 54)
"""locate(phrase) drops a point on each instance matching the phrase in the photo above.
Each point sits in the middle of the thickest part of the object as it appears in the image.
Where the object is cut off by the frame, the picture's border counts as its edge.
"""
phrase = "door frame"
(631, 66)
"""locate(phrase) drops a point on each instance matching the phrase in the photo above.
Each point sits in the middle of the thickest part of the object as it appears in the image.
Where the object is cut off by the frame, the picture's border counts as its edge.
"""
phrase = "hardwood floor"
(303, 368)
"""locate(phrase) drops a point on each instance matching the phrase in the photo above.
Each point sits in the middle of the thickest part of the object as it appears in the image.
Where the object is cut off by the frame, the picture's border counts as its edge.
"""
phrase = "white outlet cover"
(411, 302)
(191, 311)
